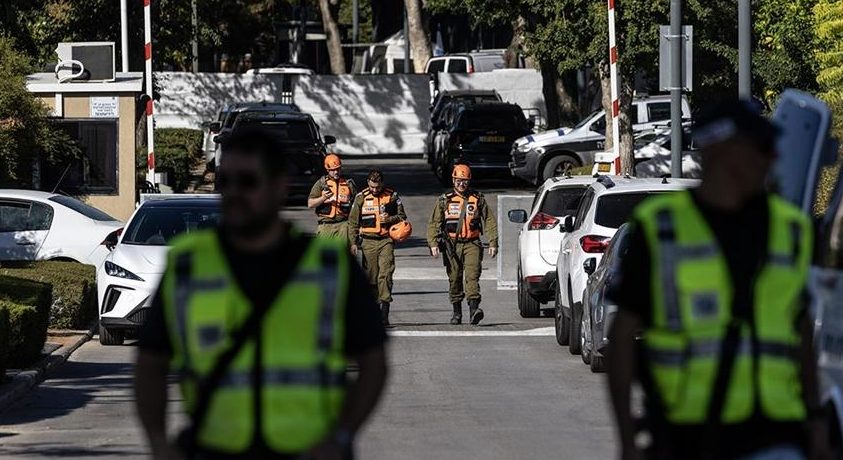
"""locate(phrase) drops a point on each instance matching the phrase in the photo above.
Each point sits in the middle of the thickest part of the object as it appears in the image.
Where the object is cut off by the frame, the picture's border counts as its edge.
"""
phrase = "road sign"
(687, 54)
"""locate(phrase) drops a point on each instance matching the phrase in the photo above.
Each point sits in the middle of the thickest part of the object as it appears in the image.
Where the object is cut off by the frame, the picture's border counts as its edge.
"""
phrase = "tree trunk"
(551, 97)
(419, 40)
(606, 101)
(518, 46)
(567, 106)
(627, 146)
(328, 9)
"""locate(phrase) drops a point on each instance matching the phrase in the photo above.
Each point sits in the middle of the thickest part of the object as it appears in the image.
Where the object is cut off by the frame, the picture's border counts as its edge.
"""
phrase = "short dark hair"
(256, 140)
(375, 175)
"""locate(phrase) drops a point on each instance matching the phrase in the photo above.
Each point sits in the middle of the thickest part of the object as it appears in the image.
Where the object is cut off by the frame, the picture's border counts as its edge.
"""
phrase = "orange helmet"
(461, 172)
(400, 231)
(332, 162)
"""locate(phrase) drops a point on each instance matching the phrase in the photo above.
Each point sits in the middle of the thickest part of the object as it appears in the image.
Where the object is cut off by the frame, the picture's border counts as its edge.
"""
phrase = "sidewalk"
(60, 345)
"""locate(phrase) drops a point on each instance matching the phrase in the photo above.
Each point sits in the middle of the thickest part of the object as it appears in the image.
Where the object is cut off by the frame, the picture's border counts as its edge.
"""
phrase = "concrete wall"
(122, 204)
(367, 114)
(519, 86)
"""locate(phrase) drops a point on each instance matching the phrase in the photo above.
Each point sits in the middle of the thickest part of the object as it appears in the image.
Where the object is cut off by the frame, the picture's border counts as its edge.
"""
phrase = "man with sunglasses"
(331, 196)
(260, 321)
(456, 223)
(374, 211)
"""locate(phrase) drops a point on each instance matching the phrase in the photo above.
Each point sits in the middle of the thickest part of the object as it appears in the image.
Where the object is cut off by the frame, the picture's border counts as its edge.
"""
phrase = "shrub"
(73, 287)
(177, 151)
(4, 342)
(27, 334)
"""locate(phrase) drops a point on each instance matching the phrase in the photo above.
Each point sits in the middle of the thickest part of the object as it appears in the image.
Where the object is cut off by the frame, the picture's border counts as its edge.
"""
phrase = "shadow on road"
(57, 450)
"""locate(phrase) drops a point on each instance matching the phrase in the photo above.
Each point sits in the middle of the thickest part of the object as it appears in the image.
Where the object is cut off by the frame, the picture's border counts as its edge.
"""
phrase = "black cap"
(735, 119)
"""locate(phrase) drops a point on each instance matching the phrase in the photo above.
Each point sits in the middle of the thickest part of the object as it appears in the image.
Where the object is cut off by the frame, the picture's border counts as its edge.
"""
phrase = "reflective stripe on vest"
(692, 308)
(303, 367)
(370, 212)
(462, 210)
(342, 205)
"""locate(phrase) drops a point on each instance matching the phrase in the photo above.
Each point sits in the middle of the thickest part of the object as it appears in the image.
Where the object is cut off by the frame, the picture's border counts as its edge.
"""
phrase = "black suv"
(300, 136)
(480, 135)
(441, 113)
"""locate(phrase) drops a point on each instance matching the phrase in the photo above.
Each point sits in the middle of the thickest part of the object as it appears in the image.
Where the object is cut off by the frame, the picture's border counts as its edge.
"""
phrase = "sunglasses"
(245, 182)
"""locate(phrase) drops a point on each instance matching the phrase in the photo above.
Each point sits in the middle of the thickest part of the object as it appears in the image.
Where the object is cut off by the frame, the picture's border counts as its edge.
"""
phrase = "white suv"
(539, 239)
(604, 207)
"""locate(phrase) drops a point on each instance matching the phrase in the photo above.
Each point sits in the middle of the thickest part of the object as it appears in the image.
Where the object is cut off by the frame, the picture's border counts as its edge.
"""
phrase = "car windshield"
(614, 209)
(156, 226)
(586, 119)
(88, 211)
(287, 130)
(487, 120)
(563, 201)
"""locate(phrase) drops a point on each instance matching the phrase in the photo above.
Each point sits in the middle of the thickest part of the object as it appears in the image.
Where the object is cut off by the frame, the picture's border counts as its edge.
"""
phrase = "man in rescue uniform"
(713, 283)
(331, 196)
(456, 223)
(259, 321)
(375, 209)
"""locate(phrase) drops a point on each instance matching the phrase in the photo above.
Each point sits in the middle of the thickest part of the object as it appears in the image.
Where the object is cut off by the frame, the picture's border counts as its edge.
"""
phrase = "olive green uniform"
(465, 262)
(336, 226)
(378, 252)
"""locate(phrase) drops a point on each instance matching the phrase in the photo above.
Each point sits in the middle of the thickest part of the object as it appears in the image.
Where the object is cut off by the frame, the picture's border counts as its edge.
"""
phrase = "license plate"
(493, 139)
(604, 167)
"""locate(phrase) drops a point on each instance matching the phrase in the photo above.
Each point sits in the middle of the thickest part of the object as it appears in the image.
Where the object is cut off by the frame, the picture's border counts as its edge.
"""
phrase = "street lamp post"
(677, 81)
(744, 49)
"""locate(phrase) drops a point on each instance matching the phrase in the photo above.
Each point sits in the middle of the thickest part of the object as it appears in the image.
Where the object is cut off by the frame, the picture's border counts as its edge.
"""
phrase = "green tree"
(829, 54)
(26, 135)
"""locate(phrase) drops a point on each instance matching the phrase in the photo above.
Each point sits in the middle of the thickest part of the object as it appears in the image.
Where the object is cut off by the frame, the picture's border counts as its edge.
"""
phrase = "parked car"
(300, 135)
(605, 206)
(233, 112)
(440, 113)
(480, 135)
(475, 61)
(540, 156)
(539, 240)
(653, 159)
(128, 278)
(598, 310)
(44, 226)
(282, 69)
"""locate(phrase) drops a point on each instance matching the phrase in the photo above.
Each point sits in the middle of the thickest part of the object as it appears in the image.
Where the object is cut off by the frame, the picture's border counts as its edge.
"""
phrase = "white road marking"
(437, 273)
(538, 332)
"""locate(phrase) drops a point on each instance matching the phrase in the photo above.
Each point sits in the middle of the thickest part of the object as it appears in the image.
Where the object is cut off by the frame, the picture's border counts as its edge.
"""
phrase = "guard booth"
(101, 116)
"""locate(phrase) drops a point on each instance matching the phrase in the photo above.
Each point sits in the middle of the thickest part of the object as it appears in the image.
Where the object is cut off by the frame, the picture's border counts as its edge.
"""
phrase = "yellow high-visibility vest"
(302, 360)
(692, 297)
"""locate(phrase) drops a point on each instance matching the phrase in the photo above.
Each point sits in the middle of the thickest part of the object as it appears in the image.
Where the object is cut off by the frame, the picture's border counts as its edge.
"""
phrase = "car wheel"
(585, 349)
(597, 364)
(575, 337)
(111, 336)
(527, 305)
(442, 174)
(558, 166)
(561, 324)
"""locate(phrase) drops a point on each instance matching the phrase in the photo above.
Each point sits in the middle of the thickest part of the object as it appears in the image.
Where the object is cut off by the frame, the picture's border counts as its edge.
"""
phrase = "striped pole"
(613, 75)
(147, 53)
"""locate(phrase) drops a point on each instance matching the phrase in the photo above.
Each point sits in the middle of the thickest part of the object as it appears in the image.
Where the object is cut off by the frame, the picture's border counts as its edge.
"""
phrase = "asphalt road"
(503, 390)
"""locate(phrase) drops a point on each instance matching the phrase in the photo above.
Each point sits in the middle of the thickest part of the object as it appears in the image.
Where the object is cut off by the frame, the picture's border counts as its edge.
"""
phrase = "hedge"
(4, 342)
(73, 291)
(177, 151)
(26, 336)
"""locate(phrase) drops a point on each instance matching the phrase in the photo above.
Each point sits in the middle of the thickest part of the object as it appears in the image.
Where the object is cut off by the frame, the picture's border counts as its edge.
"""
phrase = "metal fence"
(508, 239)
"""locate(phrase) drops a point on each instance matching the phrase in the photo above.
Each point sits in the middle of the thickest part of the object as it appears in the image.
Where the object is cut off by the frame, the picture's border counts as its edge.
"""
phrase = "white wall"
(519, 86)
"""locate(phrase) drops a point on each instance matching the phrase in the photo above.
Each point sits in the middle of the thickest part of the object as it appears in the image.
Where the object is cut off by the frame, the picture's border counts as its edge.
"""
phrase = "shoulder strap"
(250, 328)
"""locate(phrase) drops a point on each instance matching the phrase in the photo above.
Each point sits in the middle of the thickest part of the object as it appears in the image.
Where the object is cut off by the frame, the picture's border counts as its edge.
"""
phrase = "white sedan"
(45, 226)
(127, 281)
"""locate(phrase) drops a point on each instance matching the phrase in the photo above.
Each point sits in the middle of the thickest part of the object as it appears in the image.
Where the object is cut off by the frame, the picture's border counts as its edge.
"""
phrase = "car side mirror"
(517, 216)
(531, 123)
(568, 224)
(589, 265)
(214, 126)
(330, 140)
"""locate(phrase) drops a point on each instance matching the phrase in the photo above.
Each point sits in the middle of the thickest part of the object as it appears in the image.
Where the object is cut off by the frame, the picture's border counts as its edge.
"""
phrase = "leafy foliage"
(26, 134)
(829, 54)
(177, 151)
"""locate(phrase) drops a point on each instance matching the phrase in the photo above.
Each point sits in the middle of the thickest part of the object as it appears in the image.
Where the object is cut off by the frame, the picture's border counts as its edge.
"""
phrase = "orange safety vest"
(342, 205)
(371, 210)
(466, 209)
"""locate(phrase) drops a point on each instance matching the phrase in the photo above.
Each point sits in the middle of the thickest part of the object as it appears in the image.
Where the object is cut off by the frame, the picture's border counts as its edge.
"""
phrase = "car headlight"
(115, 270)
(524, 147)
(540, 150)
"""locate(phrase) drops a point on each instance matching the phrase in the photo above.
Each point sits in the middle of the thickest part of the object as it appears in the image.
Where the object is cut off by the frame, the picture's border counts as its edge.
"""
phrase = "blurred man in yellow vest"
(374, 211)
(331, 197)
(713, 284)
(455, 226)
(259, 321)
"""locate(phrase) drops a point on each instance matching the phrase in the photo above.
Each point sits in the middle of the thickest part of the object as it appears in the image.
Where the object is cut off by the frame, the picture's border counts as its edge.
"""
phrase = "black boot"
(385, 313)
(456, 319)
(475, 311)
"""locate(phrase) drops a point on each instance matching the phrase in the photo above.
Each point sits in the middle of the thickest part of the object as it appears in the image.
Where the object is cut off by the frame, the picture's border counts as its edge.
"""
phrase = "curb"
(25, 380)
